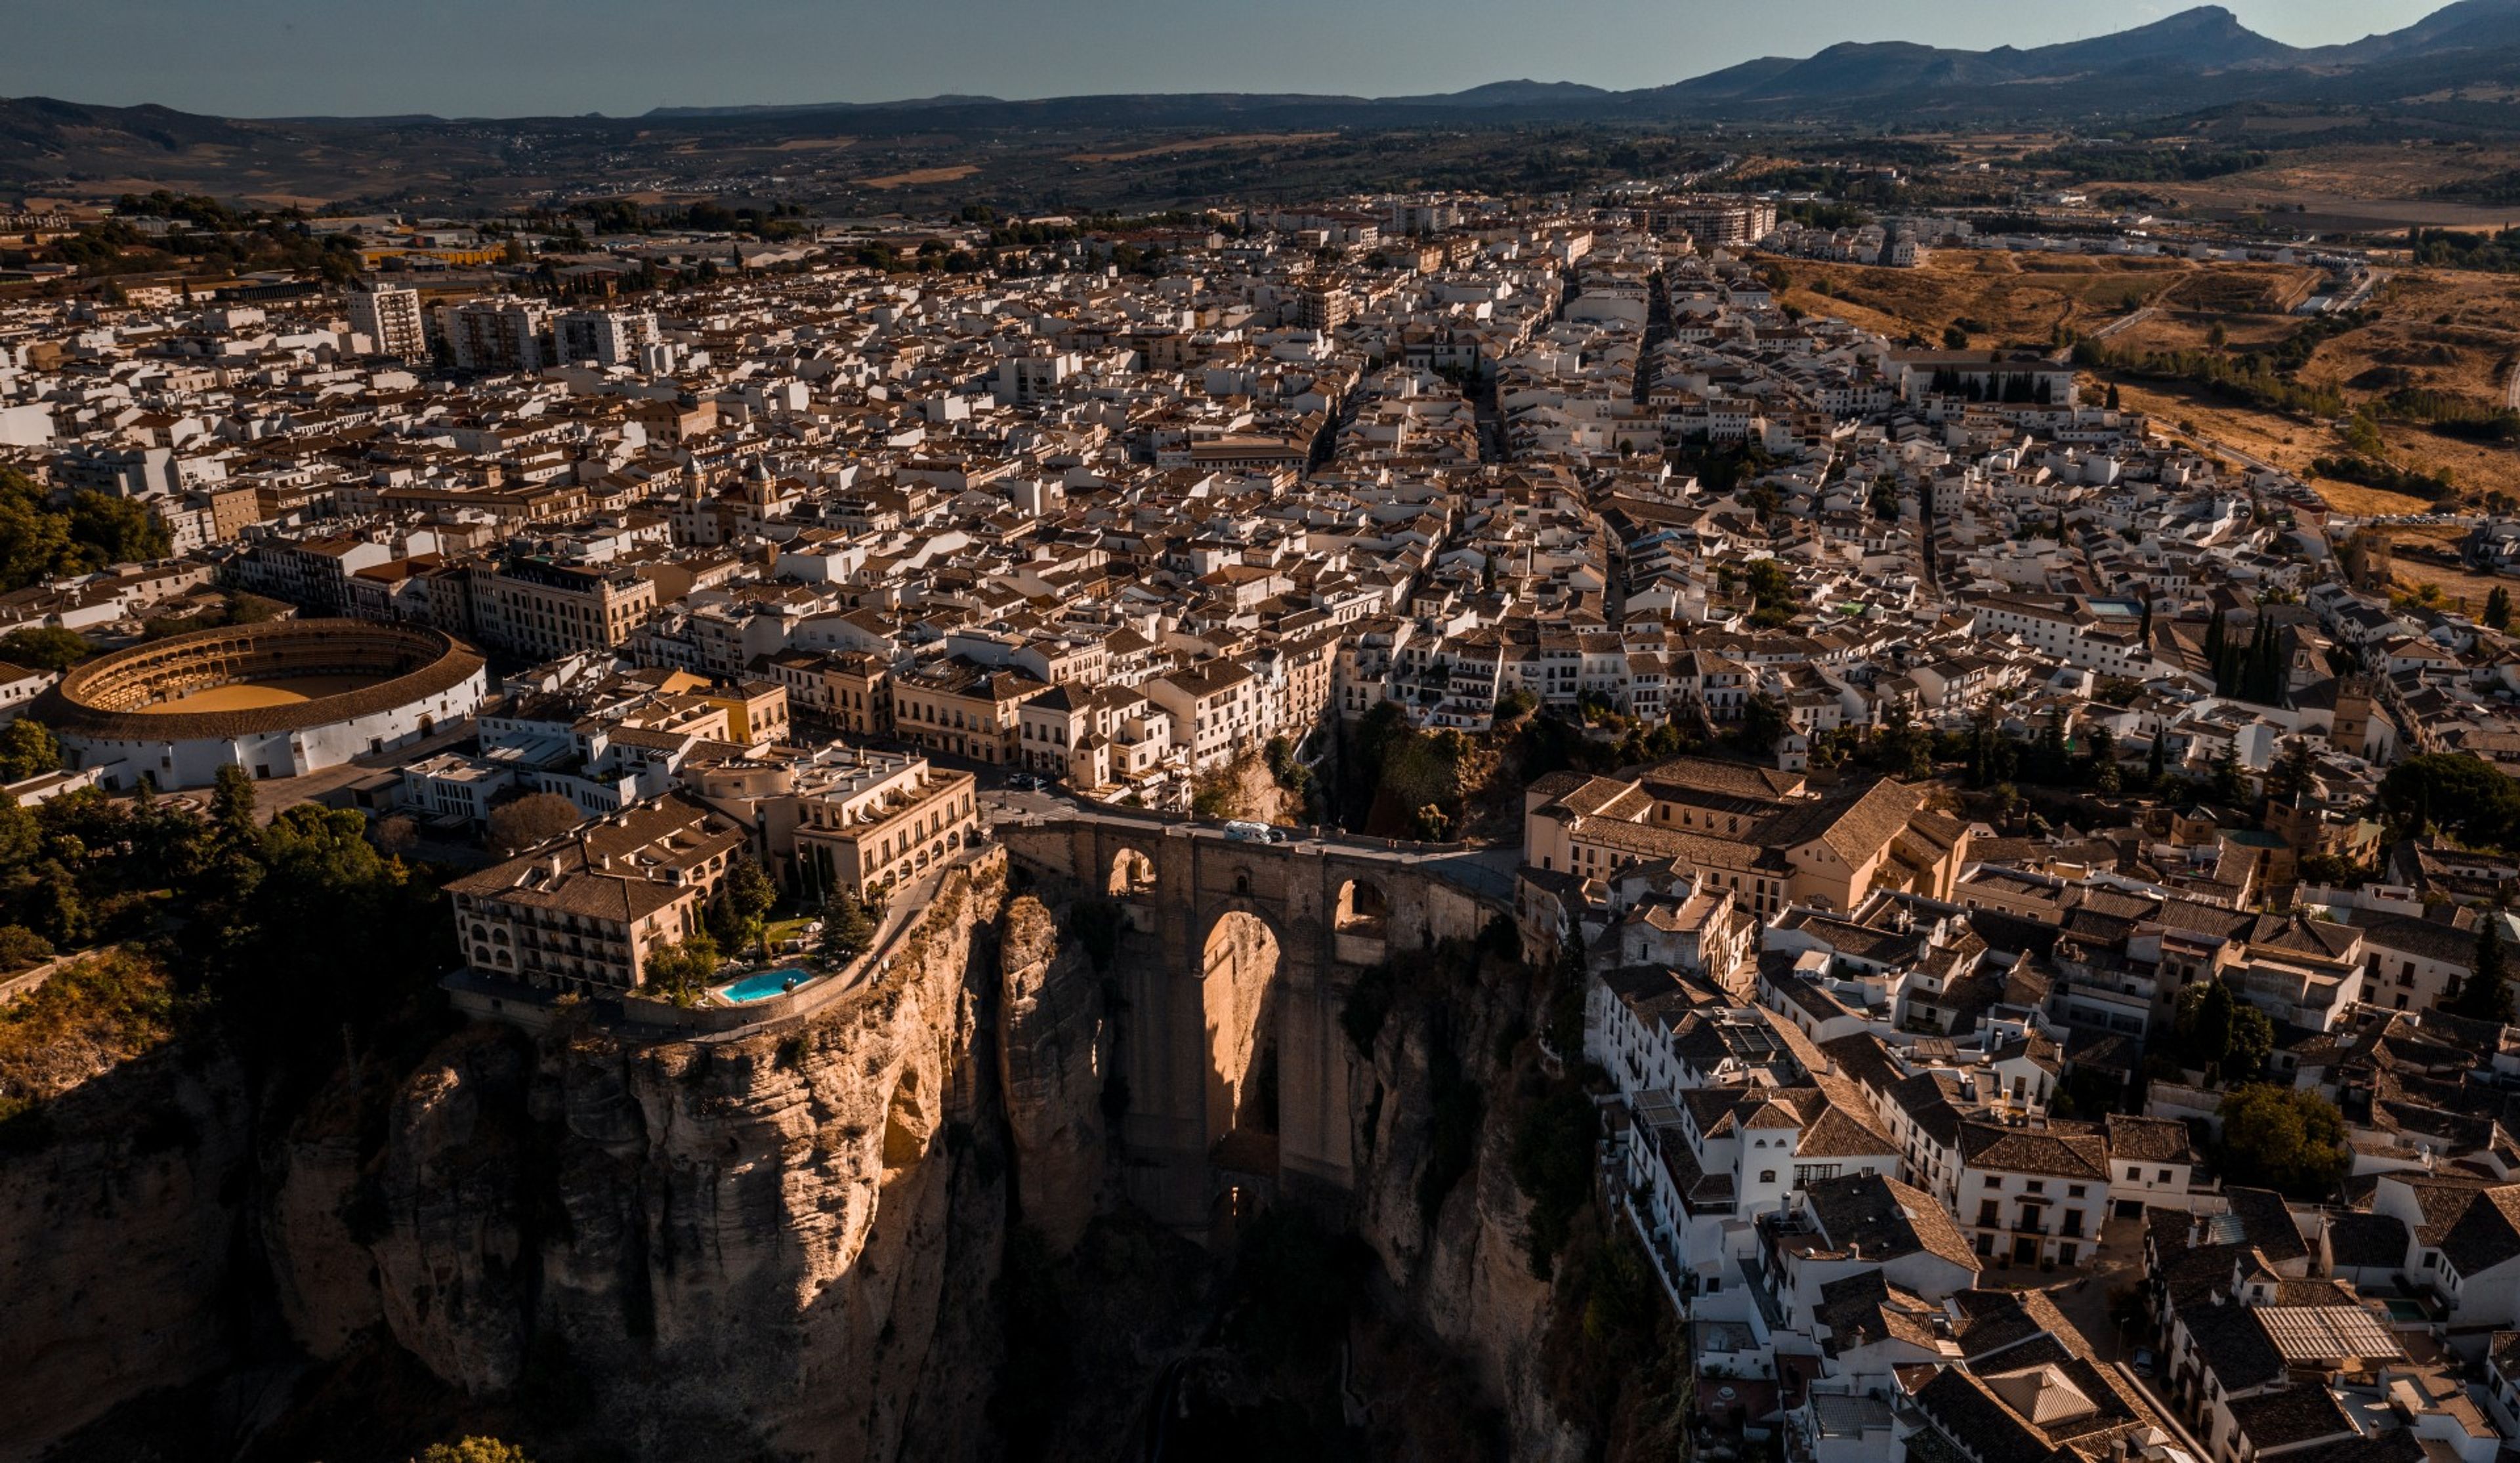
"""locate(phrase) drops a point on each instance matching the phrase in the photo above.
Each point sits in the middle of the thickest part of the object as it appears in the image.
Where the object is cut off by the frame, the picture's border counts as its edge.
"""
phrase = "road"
(1487, 870)
(2126, 321)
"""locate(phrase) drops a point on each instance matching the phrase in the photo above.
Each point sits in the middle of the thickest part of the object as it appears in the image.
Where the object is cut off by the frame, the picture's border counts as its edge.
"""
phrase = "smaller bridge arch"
(1132, 874)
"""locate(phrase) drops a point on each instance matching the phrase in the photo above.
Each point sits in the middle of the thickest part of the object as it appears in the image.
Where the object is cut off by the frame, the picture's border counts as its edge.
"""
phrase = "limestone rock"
(1053, 1048)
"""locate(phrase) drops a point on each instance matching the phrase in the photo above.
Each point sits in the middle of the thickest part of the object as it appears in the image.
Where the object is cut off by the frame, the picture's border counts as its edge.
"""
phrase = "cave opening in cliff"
(1238, 988)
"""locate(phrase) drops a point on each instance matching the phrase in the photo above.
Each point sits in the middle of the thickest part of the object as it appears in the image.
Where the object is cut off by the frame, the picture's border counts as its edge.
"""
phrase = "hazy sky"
(508, 58)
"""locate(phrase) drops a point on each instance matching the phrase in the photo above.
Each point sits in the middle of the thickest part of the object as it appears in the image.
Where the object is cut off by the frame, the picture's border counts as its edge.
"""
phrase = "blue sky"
(508, 58)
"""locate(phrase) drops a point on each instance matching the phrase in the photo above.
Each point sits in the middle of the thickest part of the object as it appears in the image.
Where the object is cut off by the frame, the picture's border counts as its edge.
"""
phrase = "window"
(2073, 1191)
(1767, 1175)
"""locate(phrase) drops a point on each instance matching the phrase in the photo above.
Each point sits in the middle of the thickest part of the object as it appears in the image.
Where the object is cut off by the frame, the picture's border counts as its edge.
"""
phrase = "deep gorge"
(890, 1231)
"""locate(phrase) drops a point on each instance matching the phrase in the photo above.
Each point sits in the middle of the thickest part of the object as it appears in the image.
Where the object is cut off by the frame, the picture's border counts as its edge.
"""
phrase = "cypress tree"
(2486, 993)
(2214, 647)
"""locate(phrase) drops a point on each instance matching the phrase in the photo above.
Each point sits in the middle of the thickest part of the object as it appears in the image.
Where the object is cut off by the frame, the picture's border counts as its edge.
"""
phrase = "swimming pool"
(764, 984)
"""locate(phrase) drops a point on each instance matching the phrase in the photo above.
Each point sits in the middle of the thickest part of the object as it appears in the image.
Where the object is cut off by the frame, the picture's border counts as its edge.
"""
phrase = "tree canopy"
(846, 929)
(2285, 1138)
(517, 826)
(2456, 792)
(39, 541)
(2485, 992)
(2224, 1035)
(42, 648)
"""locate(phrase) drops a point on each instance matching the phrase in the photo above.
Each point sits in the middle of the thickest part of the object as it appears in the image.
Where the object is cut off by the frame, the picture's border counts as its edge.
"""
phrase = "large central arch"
(1237, 993)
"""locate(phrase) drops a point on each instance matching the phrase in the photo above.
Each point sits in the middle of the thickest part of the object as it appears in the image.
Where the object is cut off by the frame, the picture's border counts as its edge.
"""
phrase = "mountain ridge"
(2205, 40)
(2198, 61)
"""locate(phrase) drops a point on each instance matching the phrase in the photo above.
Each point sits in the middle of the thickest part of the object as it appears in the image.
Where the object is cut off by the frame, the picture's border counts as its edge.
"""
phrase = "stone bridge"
(1212, 1028)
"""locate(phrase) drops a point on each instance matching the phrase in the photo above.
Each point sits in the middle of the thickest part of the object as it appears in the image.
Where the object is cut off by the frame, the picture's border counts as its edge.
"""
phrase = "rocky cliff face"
(783, 1244)
(1054, 1049)
(118, 1224)
(1435, 1094)
(782, 1240)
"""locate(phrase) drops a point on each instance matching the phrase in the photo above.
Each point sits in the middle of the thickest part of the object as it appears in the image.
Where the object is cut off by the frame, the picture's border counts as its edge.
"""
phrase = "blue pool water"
(763, 985)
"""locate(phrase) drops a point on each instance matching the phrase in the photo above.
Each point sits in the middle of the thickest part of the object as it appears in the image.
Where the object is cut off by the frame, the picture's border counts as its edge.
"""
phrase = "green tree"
(2461, 792)
(846, 929)
(2292, 774)
(2285, 1138)
(26, 750)
(2485, 993)
(44, 647)
(34, 541)
(232, 805)
(2225, 785)
(1773, 595)
(2226, 1037)
(2498, 609)
(743, 904)
(679, 972)
(1763, 724)
(532, 819)
(117, 530)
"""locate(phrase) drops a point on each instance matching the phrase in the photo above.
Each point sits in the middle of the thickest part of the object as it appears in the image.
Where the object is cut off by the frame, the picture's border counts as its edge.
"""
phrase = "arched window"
(1767, 1175)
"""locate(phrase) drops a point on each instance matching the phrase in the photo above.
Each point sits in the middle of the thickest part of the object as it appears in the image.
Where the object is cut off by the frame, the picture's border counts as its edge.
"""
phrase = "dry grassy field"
(2007, 298)
(916, 176)
(2429, 556)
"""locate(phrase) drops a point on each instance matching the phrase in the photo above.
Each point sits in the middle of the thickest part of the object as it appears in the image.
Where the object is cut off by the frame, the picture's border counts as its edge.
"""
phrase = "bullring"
(278, 699)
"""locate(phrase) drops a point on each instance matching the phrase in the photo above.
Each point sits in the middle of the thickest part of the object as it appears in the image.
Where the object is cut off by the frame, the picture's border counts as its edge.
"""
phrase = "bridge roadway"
(1486, 869)
(1207, 1004)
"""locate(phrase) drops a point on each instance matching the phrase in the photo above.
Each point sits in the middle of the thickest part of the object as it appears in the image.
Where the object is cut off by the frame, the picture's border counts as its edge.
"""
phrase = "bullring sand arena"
(245, 695)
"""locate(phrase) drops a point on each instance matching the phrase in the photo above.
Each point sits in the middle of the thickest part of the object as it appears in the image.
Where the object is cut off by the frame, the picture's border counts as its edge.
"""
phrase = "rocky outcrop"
(780, 1240)
(120, 1205)
(313, 1225)
(1053, 1048)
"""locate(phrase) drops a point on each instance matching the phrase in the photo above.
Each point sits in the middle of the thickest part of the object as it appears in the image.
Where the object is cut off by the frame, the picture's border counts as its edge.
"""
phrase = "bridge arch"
(1239, 956)
(1132, 874)
(1236, 962)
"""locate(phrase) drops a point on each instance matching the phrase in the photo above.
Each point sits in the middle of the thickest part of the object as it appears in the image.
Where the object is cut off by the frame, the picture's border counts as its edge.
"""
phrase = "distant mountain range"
(2456, 70)
(2197, 56)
